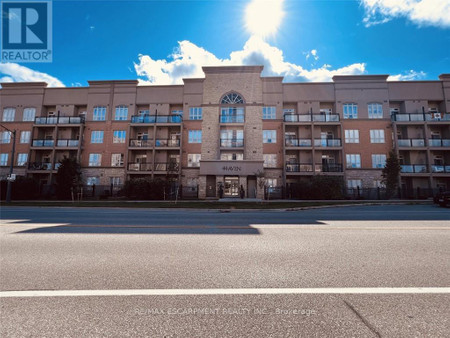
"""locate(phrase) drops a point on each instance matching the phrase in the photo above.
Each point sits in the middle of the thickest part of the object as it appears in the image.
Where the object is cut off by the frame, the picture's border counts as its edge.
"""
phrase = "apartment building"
(225, 130)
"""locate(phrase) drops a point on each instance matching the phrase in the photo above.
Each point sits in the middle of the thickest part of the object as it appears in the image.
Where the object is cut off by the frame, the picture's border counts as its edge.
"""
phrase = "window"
(97, 136)
(93, 180)
(121, 113)
(270, 160)
(350, 111)
(378, 161)
(195, 136)
(271, 182)
(3, 159)
(353, 160)
(269, 113)
(231, 156)
(177, 112)
(194, 160)
(353, 184)
(192, 182)
(378, 184)
(269, 136)
(8, 114)
(375, 110)
(99, 114)
(352, 136)
(22, 159)
(95, 160)
(376, 136)
(29, 114)
(117, 160)
(119, 136)
(115, 181)
(232, 98)
(25, 136)
(195, 113)
(6, 137)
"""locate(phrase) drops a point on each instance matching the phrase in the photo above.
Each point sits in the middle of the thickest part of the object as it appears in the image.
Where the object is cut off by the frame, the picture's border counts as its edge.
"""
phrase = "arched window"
(232, 98)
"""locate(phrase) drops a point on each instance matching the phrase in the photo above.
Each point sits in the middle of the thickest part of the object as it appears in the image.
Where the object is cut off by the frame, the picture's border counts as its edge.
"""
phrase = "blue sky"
(160, 42)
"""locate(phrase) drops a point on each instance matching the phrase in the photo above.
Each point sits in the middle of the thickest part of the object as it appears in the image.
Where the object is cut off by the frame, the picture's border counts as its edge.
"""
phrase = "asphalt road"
(332, 250)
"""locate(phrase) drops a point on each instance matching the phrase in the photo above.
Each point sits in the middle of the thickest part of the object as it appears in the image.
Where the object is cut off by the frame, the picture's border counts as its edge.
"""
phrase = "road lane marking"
(205, 292)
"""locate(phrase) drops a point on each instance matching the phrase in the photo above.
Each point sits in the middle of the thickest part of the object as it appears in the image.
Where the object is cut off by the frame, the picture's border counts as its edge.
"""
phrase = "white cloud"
(421, 12)
(188, 59)
(410, 75)
(12, 72)
(312, 53)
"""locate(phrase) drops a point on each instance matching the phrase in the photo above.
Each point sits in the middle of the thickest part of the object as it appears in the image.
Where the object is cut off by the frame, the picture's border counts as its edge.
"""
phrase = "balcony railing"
(141, 166)
(171, 166)
(156, 119)
(415, 142)
(414, 168)
(41, 166)
(167, 143)
(299, 167)
(141, 143)
(311, 117)
(298, 142)
(232, 119)
(59, 120)
(418, 117)
(336, 142)
(231, 142)
(325, 118)
(43, 143)
(329, 168)
(67, 143)
(134, 166)
(439, 142)
(297, 118)
(440, 168)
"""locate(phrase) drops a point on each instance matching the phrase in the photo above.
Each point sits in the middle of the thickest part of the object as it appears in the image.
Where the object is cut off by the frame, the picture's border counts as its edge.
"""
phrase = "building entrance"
(231, 188)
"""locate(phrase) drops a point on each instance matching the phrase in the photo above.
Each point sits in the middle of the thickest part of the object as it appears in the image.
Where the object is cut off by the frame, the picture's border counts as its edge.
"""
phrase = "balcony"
(420, 117)
(45, 166)
(299, 167)
(59, 120)
(140, 166)
(336, 142)
(442, 169)
(408, 143)
(413, 168)
(439, 142)
(171, 143)
(298, 142)
(156, 119)
(231, 119)
(43, 143)
(297, 118)
(138, 143)
(144, 166)
(325, 118)
(329, 168)
(170, 167)
(231, 143)
(311, 117)
(67, 143)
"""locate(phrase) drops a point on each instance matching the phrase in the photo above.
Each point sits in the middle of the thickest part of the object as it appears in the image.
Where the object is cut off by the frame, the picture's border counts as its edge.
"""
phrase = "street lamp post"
(11, 166)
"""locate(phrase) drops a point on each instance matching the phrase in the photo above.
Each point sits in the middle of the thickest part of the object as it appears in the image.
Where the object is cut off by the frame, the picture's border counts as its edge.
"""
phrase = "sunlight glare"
(263, 17)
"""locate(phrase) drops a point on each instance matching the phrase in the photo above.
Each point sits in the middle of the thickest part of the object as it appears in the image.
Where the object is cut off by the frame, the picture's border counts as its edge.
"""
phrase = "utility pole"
(11, 166)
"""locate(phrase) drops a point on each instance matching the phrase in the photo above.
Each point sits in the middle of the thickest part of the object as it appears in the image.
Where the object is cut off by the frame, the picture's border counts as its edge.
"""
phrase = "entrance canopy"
(230, 168)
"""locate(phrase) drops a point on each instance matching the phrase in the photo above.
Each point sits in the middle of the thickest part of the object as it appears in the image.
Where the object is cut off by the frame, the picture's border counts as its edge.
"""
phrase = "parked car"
(443, 199)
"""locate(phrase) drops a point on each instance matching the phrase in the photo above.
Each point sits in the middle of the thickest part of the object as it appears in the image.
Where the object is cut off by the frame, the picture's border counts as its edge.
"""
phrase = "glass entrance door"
(231, 188)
